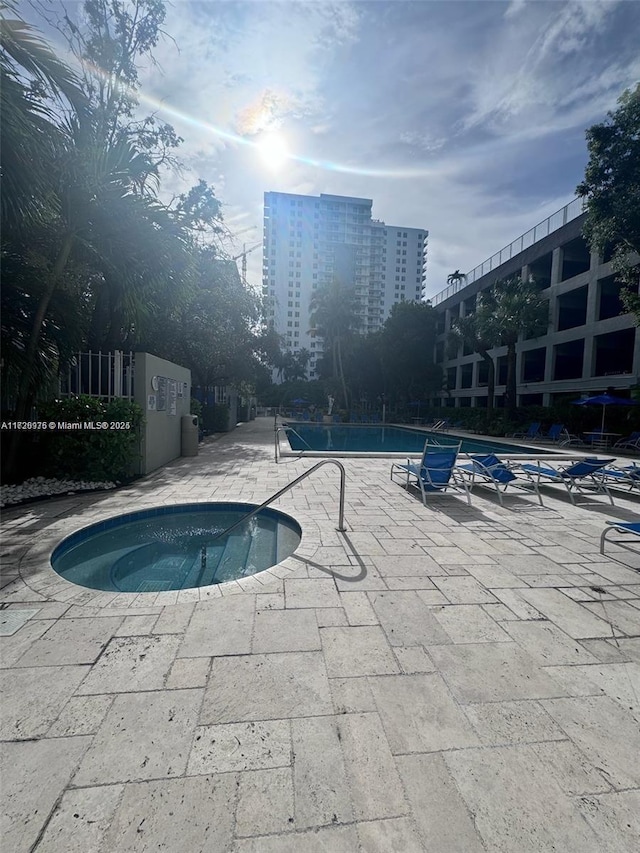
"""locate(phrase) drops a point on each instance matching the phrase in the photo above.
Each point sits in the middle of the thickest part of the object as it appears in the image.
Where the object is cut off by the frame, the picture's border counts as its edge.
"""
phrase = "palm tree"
(456, 277)
(31, 131)
(333, 316)
(514, 307)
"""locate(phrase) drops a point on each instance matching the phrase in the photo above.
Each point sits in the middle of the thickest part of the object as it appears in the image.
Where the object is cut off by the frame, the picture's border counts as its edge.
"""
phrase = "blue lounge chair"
(632, 527)
(318, 417)
(531, 433)
(554, 433)
(626, 477)
(434, 473)
(631, 442)
(488, 470)
(582, 477)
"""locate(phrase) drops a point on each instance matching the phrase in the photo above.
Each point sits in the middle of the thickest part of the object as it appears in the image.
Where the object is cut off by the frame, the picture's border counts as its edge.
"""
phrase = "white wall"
(163, 408)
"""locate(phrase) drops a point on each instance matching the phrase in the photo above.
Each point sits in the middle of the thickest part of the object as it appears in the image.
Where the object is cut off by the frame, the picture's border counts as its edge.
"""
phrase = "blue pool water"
(385, 439)
(172, 548)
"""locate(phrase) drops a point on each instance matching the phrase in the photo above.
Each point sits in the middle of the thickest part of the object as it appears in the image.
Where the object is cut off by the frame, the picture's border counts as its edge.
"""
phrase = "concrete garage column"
(556, 266)
(588, 360)
(636, 355)
(549, 367)
(592, 293)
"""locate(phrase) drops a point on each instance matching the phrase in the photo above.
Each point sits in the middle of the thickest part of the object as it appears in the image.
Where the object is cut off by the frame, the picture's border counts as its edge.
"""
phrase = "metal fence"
(98, 374)
(542, 229)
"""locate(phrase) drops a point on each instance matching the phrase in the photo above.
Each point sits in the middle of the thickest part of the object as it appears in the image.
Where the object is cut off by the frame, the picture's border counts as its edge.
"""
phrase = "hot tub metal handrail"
(290, 485)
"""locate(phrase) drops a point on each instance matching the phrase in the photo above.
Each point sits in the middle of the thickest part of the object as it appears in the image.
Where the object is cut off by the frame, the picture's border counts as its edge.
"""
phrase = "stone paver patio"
(451, 679)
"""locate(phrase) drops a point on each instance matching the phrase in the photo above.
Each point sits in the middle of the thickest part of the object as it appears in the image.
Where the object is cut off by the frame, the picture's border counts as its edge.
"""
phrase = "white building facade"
(310, 240)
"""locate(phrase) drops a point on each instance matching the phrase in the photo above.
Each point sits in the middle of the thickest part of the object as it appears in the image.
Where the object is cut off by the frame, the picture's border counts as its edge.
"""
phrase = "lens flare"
(274, 151)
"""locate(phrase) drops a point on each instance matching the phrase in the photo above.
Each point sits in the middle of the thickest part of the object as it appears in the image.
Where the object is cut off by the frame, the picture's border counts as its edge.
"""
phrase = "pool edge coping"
(36, 571)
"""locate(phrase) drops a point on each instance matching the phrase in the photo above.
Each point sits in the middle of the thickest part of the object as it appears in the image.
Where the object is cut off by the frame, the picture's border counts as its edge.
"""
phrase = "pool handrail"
(286, 428)
(341, 528)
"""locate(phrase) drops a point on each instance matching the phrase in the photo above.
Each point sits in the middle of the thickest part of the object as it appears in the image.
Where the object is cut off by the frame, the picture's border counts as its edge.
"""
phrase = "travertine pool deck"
(450, 679)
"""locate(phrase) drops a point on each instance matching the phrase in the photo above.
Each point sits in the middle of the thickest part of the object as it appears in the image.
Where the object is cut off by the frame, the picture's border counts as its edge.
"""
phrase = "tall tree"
(34, 85)
(611, 188)
(408, 356)
(111, 39)
(363, 367)
(472, 332)
(214, 329)
(293, 366)
(512, 308)
(334, 317)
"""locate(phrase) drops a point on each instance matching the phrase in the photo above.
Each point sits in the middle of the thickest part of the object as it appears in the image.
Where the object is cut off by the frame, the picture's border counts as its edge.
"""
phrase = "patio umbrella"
(299, 401)
(604, 400)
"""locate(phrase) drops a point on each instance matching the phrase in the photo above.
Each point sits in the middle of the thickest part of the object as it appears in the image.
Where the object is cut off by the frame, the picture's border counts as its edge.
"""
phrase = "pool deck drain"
(446, 678)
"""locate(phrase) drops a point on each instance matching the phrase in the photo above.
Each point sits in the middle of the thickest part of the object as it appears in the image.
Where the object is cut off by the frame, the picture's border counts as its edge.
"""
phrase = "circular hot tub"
(176, 547)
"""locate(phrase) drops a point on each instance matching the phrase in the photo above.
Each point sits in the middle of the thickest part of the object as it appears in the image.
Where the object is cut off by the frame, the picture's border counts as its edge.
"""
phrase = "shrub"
(86, 454)
(215, 418)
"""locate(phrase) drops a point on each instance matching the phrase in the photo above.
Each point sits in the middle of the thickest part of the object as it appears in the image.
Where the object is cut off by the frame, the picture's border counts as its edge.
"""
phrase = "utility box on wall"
(163, 390)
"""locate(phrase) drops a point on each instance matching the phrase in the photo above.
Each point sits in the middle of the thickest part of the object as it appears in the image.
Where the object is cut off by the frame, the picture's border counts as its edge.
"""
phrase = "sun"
(273, 150)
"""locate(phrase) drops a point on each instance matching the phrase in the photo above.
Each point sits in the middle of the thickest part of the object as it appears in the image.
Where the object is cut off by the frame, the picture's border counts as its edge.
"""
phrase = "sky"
(463, 117)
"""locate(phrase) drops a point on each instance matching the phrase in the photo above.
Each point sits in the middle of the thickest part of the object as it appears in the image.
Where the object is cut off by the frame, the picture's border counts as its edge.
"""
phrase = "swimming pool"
(175, 547)
(345, 438)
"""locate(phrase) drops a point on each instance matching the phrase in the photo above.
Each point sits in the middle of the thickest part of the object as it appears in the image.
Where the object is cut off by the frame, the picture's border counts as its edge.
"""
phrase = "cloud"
(514, 8)
(517, 88)
(265, 113)
(464, 118)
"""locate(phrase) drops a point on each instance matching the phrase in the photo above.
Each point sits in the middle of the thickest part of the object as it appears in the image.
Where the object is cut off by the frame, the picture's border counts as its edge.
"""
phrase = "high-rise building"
(310, 240)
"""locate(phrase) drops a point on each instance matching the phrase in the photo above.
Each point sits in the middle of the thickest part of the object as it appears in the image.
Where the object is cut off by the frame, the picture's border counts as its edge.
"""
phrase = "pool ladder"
(341, 528)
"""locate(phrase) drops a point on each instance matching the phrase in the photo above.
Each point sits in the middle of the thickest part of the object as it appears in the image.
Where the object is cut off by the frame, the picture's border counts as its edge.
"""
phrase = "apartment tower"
(309, 240)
